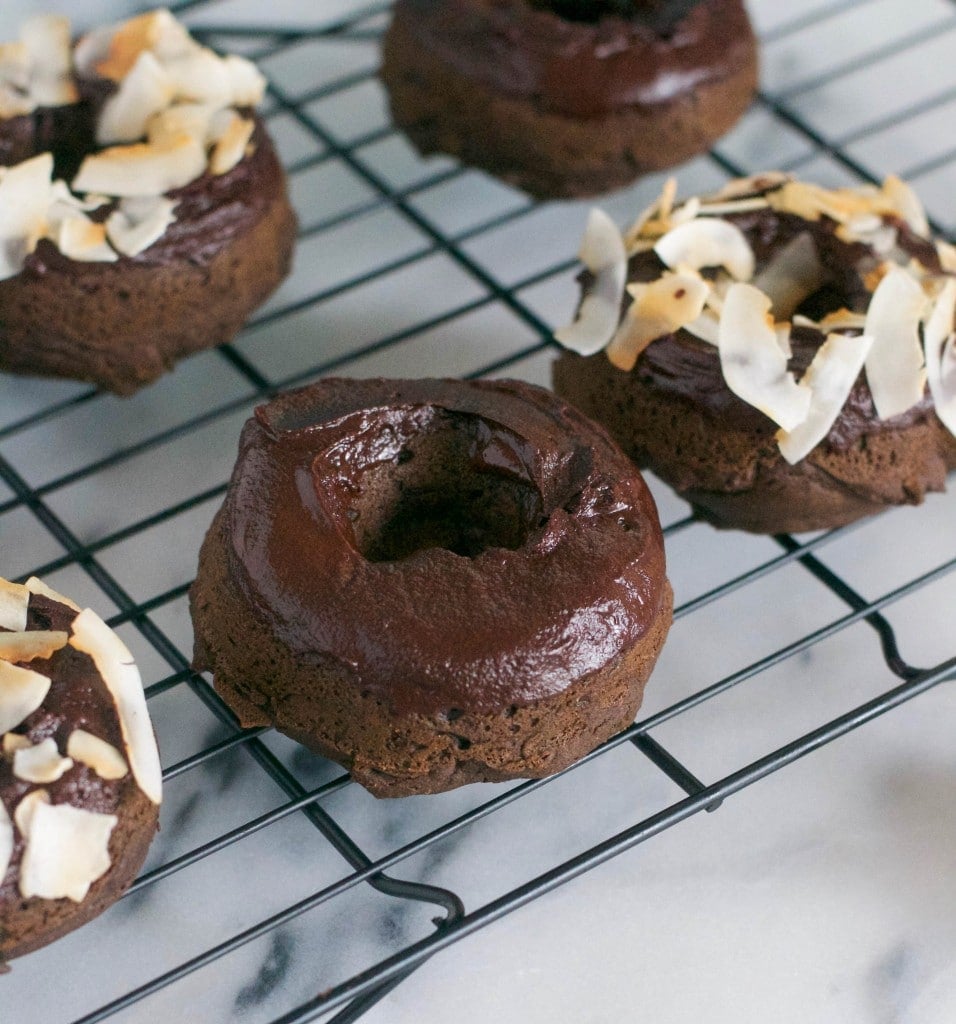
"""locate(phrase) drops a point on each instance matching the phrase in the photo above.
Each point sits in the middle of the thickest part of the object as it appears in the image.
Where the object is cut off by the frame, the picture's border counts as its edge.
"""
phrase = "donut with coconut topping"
(780, 353)
(143, 206)
(80, 781)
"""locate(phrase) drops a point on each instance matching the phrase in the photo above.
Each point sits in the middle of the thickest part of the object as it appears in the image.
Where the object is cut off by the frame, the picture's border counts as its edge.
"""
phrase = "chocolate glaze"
(67, 132)
(78, 699)
(684, 366)
(435, 630)
(210, 212)
(662, 52)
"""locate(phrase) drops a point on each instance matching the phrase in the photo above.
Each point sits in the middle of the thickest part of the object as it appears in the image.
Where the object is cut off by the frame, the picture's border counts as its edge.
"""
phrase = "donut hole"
(585, 10)
(437, 492)
(660, 14)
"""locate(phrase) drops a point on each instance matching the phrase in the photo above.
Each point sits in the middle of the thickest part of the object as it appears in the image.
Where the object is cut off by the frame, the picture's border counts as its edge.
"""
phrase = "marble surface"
(820, 893)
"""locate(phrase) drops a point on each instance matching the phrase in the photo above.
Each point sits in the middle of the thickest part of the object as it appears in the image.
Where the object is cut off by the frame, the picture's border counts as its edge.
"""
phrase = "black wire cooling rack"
(322, 76)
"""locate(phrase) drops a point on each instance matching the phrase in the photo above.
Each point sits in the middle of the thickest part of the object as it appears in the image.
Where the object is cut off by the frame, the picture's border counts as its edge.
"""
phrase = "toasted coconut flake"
(659, 210)
(24, 198)
(67, 850)
(14, 604)
(181, 119)
(707, 243)
(813, 201)
(907, 203)
(102, 757)
(145, 91)
(157, 31)
(52, 92)
(791, 276)
(659, 308)
(940, 346)
(231, 145)
(732, 206)
(755, 184)
(894, 366)
(25, 810)
(46, 38)
(753, 365)
(14, 103)
(13, 741)
(6, 839)
(200, 76)
(36, 586)
(247, 81)
(143, 169)
(685, 212)
(602, 252)
(81, 239)
(115, 664)
(15, 65)
(27, 645)
(841, 320)
(138, 222)
(947, 256)
(871, 230)
(60, 193)
(782, 332)
(22, 691)
(40, 763)
(835, 367)
(92, 49)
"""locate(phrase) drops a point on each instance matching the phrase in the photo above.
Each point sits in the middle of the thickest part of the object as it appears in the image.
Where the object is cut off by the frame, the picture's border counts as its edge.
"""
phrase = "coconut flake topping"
(158, 68)
(905, 339)
(602, 252)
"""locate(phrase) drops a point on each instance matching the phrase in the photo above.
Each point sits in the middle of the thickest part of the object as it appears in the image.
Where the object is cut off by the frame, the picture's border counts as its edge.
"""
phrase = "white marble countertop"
(822, 893)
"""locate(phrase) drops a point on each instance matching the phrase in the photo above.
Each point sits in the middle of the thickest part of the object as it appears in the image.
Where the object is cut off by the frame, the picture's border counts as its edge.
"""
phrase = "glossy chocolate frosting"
(432, 630)
(210, 212)
(77, 699)
(686, 367)
(585, 66)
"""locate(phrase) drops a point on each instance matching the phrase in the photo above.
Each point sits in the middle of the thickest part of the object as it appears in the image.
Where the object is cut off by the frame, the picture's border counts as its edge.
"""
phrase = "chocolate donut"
(856, 410)
(186, 226)
(432, 582)
(568, 97)
(80, 782)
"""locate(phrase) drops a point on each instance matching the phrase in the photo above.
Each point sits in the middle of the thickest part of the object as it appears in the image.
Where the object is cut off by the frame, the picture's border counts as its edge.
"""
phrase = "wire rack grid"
(410, 266)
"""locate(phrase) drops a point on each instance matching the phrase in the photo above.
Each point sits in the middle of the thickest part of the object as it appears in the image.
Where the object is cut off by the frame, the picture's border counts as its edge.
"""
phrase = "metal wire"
(356, 994)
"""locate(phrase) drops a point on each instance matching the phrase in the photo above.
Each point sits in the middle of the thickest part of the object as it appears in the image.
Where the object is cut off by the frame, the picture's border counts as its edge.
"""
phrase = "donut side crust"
(132, 327)
(547, 154)
(30, 924)
(392, 754)
(737, 479)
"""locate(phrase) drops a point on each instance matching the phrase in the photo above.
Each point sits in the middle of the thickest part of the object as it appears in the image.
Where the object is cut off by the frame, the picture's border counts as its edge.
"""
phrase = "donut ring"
(80, 783)
(432, 582)
(845, 264)
(117, 313)
(568, 97)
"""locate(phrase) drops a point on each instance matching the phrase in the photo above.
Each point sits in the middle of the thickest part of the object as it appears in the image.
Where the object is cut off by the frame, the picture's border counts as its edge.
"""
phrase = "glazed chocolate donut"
(80, 782)
(568, 97)
(186, 226)
(432, 582)
(844, 425)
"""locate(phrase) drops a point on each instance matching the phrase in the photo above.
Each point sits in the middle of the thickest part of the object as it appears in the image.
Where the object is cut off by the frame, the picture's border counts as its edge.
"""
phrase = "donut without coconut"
(568, 98)
(432, 582)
